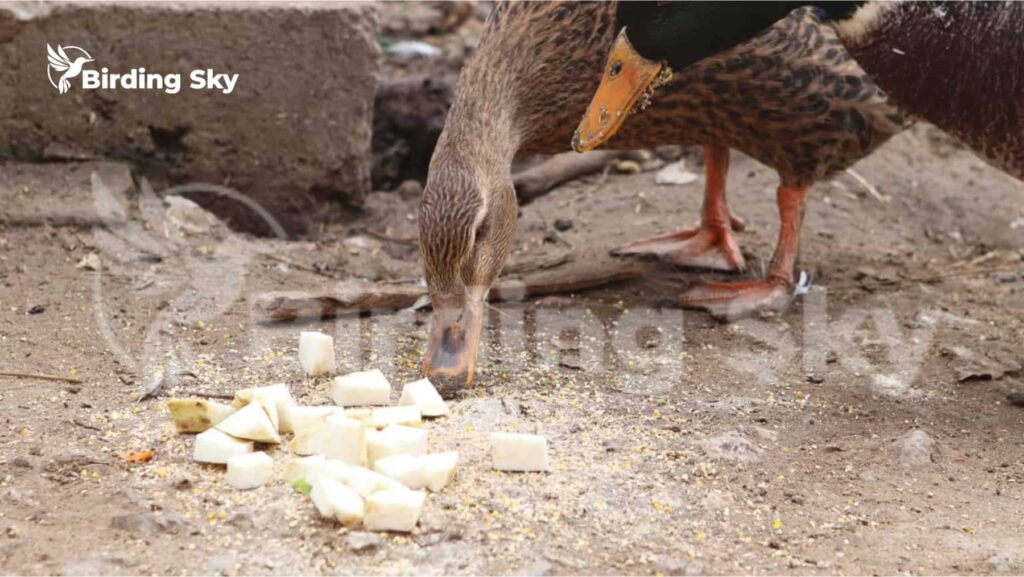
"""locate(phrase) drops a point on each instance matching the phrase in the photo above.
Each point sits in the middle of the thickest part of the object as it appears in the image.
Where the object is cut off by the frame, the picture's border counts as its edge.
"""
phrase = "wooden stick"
(41, 377)
(352, 297)
(537, 181)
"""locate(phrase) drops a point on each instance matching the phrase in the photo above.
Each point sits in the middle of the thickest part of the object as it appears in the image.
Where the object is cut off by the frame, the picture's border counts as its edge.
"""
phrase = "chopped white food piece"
(335, 437)
(362, 415)
(416, 472)
(423, 394)
(213, 446)
(403, 468)
(408, 415)
(334, 469)
(367, 482)
(307, 442)
(517, 452)
(395, 440)
(302, 418)
(303, 468)
(277, 396)
(394, 510)
(252, 423)
(362, 388)
(250, 470)
(196, 415)
(344, 439)
(332, 499)
(316, 353)
(438, 469)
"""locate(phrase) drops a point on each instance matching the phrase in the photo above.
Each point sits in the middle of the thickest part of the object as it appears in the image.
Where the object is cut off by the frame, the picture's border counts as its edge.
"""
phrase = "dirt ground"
(864, 431)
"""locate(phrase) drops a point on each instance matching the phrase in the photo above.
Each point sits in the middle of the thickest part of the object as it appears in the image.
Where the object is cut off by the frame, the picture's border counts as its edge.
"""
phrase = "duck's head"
(658, 37)
(467, 226)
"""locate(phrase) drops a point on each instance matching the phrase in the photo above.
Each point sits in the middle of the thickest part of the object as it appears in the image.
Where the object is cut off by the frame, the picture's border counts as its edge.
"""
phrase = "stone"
(675, 174)
(73, 194)
(915, 448)
(291, 134)
(359, 541)
(731, 446)
(1002, 562)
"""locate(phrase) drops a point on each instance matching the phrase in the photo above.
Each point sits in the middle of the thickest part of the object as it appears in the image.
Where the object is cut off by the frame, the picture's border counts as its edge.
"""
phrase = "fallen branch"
(352, 297)
(536, 181)
(40, 377)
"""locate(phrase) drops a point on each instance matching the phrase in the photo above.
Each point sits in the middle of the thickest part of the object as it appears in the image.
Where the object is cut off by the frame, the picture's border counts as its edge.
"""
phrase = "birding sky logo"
(65, 63)
(68, 62)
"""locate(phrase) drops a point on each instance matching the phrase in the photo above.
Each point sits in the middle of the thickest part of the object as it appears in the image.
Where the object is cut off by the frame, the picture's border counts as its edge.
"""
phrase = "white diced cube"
(250, 471)
(362, 388)
(363, 415)
(308, 441)
(316, 353)
(303, 468)
(333, 499)
(367, 482)
(213, 446)
(423, 394)
(395, 440)
(408, 415)
(344, 439)
(518, 452)
(332, 468)
(403, 468)
(438, 469)
(252, 423)
(394, 510)
(335, 437)
(302, 418)
(277, 398)
(416, 472)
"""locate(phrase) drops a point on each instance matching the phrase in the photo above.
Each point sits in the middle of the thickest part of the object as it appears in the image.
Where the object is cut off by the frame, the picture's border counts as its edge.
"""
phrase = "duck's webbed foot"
(707, 247)
(711, 245)
(732, 300)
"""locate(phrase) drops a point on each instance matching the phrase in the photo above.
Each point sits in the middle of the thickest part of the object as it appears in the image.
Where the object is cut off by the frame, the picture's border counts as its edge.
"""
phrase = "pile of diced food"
(361, 460)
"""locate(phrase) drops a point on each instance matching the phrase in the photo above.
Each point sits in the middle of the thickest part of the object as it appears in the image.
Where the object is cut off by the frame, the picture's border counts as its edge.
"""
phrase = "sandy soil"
(836, 438)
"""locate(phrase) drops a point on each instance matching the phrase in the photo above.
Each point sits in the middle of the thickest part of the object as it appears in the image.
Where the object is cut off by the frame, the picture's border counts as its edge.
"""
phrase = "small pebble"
(563, 224)
(1016, 399)
(36, 309)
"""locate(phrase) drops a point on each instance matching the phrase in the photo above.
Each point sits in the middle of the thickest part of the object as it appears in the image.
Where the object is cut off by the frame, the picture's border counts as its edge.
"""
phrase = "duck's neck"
(531, 77)
(959, 65)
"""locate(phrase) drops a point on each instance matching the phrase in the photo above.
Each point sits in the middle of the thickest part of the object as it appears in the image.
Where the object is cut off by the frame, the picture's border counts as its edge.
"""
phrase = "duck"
(531, 78)
(957, 65)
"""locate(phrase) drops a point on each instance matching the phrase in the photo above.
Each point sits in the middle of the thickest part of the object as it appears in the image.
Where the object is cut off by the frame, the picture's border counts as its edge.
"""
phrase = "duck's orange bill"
(627, 81)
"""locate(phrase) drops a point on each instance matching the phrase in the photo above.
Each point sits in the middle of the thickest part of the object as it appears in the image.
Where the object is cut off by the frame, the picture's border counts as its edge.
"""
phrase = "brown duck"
(531, 78)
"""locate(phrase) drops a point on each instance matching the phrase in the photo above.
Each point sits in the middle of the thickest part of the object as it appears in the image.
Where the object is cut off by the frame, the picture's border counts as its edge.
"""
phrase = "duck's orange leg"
(736, 299)
(711, 245)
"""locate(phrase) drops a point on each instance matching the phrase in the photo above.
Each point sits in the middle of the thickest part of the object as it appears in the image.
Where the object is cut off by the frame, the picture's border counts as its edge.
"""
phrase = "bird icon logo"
(63, 65)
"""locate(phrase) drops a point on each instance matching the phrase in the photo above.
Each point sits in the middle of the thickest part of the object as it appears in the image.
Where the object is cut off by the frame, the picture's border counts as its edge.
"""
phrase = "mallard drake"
(532, 75)
(959, 65)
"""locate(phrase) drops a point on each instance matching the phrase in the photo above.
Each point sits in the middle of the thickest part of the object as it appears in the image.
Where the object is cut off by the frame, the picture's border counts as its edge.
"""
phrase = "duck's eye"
(615, 69)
